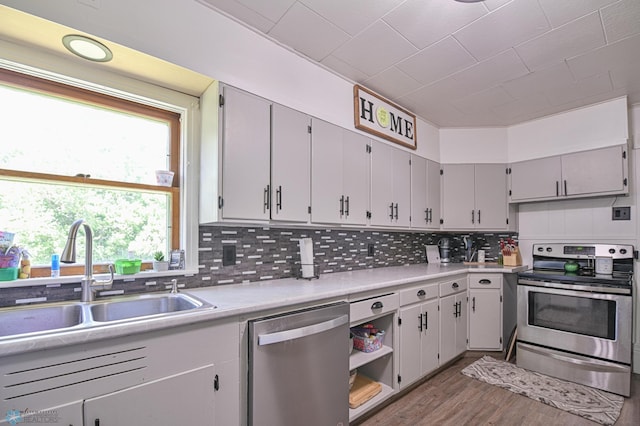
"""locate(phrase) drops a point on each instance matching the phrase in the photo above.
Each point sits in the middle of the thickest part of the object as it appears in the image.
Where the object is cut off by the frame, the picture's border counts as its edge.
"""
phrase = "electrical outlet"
(371, 250)
(228, 255)
(621, 213)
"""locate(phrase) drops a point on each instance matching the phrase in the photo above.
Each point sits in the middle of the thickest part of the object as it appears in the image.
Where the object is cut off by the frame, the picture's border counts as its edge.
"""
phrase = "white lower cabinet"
(453, 318)
(184, 398)
(180, 375)
(419, 330)
(379, 365)
(485, 312)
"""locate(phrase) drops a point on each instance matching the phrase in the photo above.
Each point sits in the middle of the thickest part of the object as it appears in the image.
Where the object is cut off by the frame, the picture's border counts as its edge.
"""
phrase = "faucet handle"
(106, 284)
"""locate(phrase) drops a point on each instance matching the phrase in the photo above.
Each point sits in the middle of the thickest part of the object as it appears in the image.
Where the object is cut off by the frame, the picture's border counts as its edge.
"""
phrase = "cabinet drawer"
(453, 286)
(373, 306)
(418, 294)
(485, 280)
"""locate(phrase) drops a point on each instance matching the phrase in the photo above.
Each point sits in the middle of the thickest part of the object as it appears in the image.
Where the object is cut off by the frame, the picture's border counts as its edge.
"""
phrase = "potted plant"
(159, 264)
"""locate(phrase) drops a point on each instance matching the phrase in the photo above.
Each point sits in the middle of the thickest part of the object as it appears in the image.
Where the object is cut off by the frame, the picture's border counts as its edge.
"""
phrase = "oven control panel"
(583, 251)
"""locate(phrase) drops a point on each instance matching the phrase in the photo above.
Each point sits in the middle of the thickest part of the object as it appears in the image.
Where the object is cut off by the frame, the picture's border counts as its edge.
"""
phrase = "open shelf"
(358, 358)
(384, 394)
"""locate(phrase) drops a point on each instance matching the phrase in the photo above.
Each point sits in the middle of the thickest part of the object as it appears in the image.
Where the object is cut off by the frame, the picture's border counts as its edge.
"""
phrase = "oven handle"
(573, 288)
(591, 365)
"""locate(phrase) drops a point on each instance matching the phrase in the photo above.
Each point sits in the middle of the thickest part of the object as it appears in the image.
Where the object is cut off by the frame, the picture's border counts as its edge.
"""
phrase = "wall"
(586, 220)
(264, 253)
(481, 145)
(194, 36)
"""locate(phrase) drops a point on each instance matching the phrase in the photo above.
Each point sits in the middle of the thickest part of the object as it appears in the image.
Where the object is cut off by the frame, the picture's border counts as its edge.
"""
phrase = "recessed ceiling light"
(87, 48)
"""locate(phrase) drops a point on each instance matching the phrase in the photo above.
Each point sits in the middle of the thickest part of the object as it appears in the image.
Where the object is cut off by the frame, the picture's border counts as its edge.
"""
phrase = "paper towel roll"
(306, 257)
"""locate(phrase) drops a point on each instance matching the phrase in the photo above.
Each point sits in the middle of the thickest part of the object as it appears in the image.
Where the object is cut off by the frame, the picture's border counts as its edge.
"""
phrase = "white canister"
(481, 256)
(604, 265)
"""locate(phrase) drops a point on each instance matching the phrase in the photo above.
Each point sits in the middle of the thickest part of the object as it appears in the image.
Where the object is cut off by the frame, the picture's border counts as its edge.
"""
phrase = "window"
(70, 153)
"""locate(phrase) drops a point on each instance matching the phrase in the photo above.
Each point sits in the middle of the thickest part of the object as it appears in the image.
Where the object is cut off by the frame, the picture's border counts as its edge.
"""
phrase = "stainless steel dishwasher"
(299, 368)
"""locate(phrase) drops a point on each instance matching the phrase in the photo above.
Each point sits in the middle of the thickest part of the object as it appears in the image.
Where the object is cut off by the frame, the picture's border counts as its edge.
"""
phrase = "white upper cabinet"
(290, 164)
(390, 186)
(589, 173)
(474, 196)
(339, 175)
(425, 193)
(246, 130)
(264, 169)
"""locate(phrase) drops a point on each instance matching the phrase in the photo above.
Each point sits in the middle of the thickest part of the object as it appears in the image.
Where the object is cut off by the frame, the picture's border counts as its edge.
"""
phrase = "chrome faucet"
(89, 284)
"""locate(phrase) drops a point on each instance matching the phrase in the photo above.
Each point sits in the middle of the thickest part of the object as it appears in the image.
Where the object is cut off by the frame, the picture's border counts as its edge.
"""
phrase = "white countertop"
(245, 299)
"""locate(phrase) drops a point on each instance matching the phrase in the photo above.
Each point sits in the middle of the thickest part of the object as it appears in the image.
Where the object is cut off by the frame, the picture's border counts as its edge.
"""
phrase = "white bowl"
(164, 177)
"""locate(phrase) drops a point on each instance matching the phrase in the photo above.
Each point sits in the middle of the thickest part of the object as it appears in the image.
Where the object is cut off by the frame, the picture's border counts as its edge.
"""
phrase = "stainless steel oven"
(577, 325)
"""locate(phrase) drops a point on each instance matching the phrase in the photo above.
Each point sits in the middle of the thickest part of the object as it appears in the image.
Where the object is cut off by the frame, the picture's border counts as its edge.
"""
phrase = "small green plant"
(158, 256)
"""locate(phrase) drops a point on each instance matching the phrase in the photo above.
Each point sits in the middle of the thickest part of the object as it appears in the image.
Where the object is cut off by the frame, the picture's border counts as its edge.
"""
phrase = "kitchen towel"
(306, 257)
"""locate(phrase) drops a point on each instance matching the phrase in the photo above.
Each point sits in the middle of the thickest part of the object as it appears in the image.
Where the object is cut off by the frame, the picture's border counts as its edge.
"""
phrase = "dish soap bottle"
(25, 265)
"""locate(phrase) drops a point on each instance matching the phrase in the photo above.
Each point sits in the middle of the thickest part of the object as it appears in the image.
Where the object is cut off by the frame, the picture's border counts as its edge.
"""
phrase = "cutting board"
(363, 390)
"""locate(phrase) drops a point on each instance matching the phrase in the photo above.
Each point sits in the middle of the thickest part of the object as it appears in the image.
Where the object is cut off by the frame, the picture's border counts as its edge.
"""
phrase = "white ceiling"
(493, 63)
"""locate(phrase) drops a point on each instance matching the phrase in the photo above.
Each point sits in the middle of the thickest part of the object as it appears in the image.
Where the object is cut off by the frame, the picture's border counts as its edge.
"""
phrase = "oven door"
(591, 324)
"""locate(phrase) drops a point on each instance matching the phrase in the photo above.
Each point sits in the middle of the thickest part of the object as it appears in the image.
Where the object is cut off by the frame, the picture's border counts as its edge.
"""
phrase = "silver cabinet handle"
(346, 206)
(484, 281)
(473, 216)
(297, 333)
(342, 206)
(420, 322)
(557, 189)
(396, 211)
(473, 304)
(391, 214)
(565, 188)
(279, 198)
(426, 320)
(478, 216)
(426, 215)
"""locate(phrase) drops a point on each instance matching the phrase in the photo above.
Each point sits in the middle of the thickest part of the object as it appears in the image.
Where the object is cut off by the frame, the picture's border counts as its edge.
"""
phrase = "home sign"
(374, 114)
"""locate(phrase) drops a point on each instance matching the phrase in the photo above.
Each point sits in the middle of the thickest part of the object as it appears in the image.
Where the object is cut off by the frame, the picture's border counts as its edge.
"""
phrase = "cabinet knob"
(454, 285)
(377, 305)
(421, 293)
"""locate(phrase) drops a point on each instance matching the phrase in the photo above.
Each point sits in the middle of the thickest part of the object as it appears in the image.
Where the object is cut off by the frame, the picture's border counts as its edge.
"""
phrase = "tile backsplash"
(265, 253)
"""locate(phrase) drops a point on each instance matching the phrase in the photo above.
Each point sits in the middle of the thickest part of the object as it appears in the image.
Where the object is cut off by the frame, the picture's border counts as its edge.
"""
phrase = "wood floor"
(451, 398)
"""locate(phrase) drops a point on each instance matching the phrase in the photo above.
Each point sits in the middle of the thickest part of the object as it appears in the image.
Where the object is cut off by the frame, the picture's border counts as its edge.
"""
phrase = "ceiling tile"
(560, 12)
(516, 110)
(491, 72)
(352, 16)
(272, 9)
(569, 40)
(437, 61)
(606, 58)
(503, 28)
(621, 20)
(535, 82)
(344, 69)
(478, 102)
(308, 33)
(591, 86)
(392, 83)
(424, 22)
(494, 4)
(375, 49)
(242, 13)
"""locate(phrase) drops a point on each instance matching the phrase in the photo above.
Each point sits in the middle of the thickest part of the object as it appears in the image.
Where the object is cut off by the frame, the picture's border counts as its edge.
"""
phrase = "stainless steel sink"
(60, 317)
(31, 319)
(143, 306)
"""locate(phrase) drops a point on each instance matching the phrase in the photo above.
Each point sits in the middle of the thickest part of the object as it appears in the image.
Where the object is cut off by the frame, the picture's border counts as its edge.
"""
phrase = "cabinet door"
(401, 188)
(535, 179)
(246, 125)
(67, 414)
(448, 318)
(491, 196)
(326, 172)
(459, 196)
(290, 164)
(593, 172)
(382, 201)
(461, 324)
(430, 337)
(419, 206)
(158, 402)
(410, 344)
(355, 177)
(485, 314)
(433, 194)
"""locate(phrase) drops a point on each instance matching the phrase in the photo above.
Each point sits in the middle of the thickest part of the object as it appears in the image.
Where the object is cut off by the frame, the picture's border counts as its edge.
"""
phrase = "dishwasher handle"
(297, 333)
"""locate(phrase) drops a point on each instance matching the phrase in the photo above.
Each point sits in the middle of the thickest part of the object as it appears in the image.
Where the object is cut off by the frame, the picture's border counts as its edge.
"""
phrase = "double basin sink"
(67, 316)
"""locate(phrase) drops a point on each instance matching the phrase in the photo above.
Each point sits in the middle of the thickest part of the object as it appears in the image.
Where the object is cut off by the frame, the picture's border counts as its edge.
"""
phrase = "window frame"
(103, 100)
